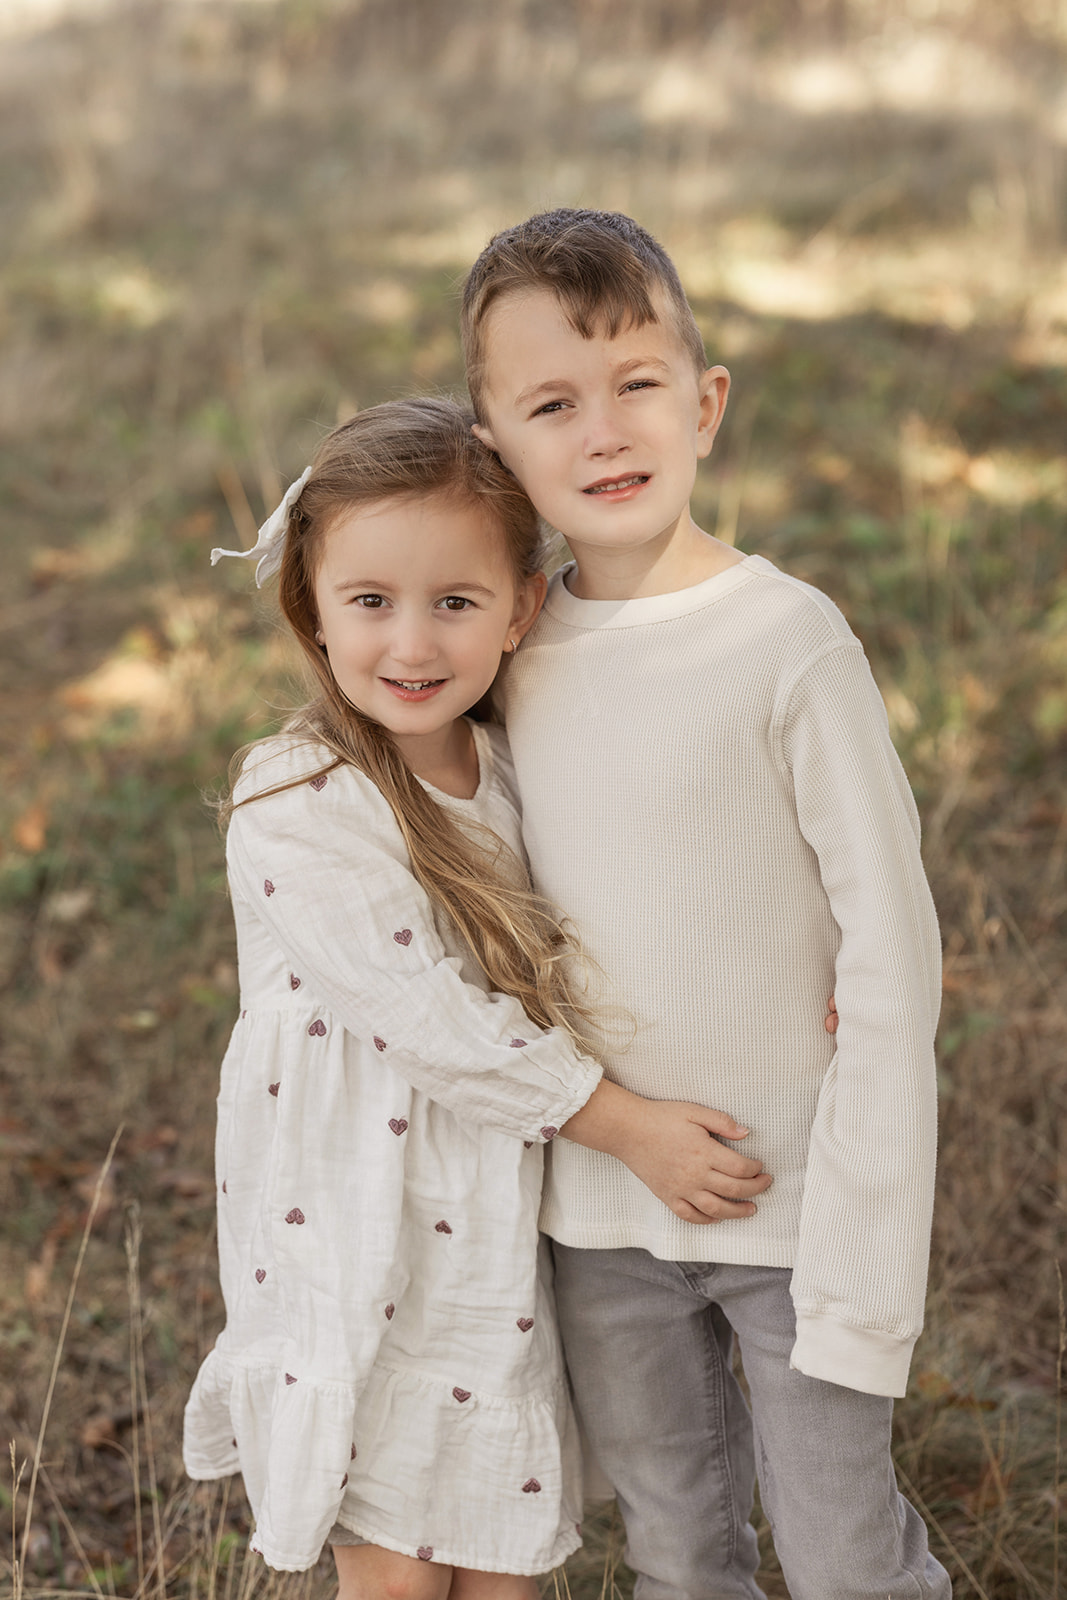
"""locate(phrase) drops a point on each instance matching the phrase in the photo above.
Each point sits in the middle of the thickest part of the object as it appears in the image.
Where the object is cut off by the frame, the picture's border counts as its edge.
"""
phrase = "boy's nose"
(605, 435)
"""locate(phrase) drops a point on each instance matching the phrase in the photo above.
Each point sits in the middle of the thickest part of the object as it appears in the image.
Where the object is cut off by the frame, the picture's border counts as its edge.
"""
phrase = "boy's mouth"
(613, 485)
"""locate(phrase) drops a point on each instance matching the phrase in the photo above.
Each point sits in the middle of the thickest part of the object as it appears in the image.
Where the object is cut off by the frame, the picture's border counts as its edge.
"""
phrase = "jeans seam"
(720, 1430)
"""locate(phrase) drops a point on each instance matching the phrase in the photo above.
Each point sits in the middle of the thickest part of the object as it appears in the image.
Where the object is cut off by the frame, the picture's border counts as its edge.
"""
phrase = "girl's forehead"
(405, 533)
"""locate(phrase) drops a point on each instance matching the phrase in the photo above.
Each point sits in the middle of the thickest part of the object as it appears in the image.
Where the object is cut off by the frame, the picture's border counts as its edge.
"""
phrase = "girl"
(389, 1378)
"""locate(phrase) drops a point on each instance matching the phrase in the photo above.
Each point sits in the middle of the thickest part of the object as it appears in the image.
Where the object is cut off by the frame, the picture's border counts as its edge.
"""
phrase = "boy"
(711, 794)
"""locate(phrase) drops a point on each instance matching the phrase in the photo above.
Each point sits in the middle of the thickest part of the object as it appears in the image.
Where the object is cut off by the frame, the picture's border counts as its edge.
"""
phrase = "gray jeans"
(649, 1344)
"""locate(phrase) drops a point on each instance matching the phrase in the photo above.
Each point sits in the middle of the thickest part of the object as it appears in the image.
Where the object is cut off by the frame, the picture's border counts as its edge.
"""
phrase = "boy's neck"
(680, 560)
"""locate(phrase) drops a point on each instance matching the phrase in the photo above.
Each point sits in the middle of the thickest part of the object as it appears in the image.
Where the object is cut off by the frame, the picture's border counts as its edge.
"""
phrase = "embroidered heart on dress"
(320, 782)
(390, 1308)
(549, 1132)
(260, 1274)
(379, 1044)
(531, 1486)
(461, 1395)
(527, 1144)
(272, 1088)
(268, 887)
(518, 1044)
(289, 1378)
(441, 1227)
(399, 1125)
(425, 1552)
(295, 1215)
(318, 1031)
(294, 981)
(524, 1324)
(403, 937)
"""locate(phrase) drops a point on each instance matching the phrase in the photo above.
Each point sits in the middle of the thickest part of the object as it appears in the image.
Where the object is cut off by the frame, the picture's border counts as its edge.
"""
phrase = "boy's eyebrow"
(537, 390)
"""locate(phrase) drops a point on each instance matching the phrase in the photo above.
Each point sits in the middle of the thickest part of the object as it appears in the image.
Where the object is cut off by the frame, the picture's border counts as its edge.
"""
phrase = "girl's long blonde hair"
(409, 448)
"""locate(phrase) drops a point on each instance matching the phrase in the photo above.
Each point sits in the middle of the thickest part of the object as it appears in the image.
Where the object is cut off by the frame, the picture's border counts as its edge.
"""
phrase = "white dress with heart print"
(390, 1359)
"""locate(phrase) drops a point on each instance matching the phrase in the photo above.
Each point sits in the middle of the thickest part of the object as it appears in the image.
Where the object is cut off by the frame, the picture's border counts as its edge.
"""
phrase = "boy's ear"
(714, 390)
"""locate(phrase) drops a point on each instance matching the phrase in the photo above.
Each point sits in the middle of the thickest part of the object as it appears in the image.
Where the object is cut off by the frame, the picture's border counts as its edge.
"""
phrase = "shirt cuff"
(867, 1359)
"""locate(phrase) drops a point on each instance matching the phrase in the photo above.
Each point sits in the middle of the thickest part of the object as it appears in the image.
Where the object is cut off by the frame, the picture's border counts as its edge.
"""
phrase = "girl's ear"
(528, 602)
(480, 431)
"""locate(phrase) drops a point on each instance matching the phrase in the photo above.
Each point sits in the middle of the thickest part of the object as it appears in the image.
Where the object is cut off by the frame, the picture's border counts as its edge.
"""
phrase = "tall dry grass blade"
(244, 518)
(216, 1546)
(231, 1567)
(135, 1441)
(16, 1564)
(134, 1234)
(175, 1515)
(1057, 1478)
(249, 1575)
(94, 1206)
(1051, 987)
(925, 1511)
(72, 1535)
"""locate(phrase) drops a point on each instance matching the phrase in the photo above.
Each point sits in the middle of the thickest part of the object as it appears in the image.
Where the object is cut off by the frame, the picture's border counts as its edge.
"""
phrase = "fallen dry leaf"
(29, 830)
(98, 1431)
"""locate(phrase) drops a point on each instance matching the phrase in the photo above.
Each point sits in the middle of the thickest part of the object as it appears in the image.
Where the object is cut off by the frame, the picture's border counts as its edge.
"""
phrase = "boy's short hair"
(601, 266)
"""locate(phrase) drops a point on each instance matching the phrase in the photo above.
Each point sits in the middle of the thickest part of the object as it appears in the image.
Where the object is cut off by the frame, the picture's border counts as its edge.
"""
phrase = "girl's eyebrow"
(374, 586)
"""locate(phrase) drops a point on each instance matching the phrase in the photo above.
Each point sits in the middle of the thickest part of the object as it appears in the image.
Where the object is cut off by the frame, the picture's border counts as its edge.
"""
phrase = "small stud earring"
(320, 640)
(512, 646)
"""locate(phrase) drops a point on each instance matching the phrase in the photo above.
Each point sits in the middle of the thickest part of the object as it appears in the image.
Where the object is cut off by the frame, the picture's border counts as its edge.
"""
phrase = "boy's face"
(603, 434)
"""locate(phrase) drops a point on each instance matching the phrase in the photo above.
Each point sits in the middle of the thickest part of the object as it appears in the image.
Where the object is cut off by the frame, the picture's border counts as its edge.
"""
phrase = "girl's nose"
(412, 643)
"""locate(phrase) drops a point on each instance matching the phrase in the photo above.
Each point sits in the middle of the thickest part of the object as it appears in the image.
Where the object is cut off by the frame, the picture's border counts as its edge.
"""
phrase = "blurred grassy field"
(225, 225)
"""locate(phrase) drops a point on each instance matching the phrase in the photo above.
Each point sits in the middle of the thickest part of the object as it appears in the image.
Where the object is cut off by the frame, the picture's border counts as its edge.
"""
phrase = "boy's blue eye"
(549, 408)
(642, 383)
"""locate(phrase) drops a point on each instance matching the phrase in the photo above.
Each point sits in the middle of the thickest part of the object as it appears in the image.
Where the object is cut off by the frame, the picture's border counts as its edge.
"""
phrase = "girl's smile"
(417, 602)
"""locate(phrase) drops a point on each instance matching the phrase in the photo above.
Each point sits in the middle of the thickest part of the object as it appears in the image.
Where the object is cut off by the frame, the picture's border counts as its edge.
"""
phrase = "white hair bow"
(271, 540)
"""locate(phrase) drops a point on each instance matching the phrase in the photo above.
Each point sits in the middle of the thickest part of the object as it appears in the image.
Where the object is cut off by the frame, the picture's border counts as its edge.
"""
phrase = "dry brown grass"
(223, 225)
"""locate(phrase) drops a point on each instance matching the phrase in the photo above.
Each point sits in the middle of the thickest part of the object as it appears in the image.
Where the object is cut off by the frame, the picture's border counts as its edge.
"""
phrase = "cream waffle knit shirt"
(710, 792)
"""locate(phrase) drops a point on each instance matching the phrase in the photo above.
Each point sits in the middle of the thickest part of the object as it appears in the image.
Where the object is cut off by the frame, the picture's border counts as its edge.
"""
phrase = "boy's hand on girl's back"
(675, 1150)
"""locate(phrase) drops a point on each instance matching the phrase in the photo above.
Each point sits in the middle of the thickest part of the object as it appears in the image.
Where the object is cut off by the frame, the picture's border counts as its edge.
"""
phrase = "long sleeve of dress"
(325, 869)
(860, 1270)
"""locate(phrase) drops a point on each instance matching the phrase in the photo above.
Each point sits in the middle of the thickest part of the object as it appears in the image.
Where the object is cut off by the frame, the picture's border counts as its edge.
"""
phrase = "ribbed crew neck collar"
(575, 613)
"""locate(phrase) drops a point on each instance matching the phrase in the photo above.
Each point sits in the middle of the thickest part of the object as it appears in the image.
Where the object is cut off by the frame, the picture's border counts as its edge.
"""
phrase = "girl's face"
(416, 602)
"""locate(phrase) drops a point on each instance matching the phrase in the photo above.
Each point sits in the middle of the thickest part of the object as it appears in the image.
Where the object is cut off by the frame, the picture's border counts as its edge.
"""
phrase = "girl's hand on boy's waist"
(675, 1150)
